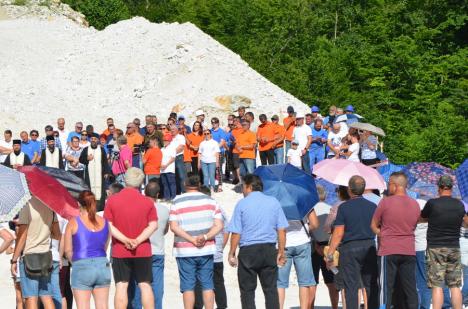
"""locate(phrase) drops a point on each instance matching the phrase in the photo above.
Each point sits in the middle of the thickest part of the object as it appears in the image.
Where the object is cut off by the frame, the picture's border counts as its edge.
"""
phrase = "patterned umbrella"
(14, 192)
(462, 178)
(388, 169)
(423, 177)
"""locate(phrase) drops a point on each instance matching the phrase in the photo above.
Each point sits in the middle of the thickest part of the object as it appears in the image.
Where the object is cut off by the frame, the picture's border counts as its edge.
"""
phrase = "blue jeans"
(301, 256)
(168, 182)
(157, 285)
(316, 155)
(287, 146)
(193, 269)
(34, 287)
(279, 155)
(180, 174)
(209, 172)
(424, 293)
(306, 163)
(247, 166)
(55, 282)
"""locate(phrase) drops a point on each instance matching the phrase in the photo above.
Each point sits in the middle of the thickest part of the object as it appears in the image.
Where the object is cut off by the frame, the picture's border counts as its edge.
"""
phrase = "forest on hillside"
(402, 64)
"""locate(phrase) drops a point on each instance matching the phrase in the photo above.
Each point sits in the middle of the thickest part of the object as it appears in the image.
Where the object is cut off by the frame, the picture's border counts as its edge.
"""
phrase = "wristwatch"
(206, 237)
(330, 257)
(13, 262)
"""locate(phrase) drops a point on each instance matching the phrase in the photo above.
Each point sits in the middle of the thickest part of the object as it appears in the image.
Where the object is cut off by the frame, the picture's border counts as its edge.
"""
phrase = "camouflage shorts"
(444, 266)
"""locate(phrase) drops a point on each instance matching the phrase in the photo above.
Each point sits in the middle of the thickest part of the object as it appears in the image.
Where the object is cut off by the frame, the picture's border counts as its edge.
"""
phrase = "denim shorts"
(90, 274)
(34, 287)
(193, 269)
(302, 258)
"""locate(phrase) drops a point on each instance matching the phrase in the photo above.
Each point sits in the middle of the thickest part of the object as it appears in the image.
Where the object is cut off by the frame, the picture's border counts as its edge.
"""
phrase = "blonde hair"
(134, 177)
(321, 193)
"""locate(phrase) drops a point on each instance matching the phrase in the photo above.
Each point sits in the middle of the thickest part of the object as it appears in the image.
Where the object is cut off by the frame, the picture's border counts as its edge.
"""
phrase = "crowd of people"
(383, 248)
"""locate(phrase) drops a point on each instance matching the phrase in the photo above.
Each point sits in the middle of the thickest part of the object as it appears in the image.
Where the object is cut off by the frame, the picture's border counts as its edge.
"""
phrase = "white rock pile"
(55, 67)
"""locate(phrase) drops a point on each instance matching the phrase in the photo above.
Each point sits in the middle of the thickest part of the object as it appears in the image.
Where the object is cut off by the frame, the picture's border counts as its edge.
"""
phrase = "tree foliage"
(401, 63)
(101, 13)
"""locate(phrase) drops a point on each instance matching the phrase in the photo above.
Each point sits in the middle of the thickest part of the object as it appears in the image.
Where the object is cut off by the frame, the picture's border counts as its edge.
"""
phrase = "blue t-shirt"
(218, 135)
(322, 133)
(30, 148)
(71, 134)
(257, 218)
(356, 215)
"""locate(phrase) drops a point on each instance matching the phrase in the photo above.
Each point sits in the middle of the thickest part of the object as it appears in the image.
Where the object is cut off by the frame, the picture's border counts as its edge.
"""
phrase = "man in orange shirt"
(278, 146)
(152, 159)
(289, 124)
(236, 131)
(245, 145)
(266, 139)
(134, 138)
(109, 122)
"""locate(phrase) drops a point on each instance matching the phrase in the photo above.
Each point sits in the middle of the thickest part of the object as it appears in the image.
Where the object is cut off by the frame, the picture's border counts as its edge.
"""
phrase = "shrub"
(101, 13)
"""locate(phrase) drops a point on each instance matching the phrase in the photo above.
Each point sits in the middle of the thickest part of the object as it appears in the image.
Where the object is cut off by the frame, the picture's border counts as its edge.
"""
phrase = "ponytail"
(87, 200)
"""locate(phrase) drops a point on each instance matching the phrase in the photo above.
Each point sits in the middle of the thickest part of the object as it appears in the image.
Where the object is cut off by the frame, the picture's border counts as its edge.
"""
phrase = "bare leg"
(343, 299)
(437, 298)
(64, 303)
(208, 299)
(31, 303)
(147, 296)
(19, 296)
(334, 295)
(281, 296)
(121, 298)
(101, 298)
(189, 299)
(82, 298)
(312, 291)
(457, 299)
(304, 296)
(48, 302)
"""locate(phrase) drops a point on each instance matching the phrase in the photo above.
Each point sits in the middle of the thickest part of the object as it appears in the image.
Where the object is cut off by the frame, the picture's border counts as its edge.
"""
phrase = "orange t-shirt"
(153, 157)
(235, 133)
(195, 141)
(289, 132)
(244, 139)
(279, 131)
(134, 139)
(187, 157)
(267, 131)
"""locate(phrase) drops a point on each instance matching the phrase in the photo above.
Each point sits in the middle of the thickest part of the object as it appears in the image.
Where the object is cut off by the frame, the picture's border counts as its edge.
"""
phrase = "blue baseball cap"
(315, 109)
(349, 108)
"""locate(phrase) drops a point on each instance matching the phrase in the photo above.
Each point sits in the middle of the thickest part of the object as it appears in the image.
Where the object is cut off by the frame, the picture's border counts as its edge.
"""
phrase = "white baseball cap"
(199, 112)
(300, 115)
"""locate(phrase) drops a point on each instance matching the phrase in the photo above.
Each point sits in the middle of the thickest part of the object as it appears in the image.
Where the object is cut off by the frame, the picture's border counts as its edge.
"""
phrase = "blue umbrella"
(294, 189)
(330, 189)
(387, 170)
(462, 178)
(14, 192)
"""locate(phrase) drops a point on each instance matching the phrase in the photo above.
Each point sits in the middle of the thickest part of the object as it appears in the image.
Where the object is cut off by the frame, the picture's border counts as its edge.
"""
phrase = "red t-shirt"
(398, 216)
(130, 212)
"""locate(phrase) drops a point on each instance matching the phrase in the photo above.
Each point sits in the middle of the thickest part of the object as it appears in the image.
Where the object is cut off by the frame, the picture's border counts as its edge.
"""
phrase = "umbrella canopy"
(339, 171)
(294, 189)
(423, 177)
(71, 182)
(330, 189)
(462, 179)
(50, 192)
(349, 118)
(367, 127)
(14, 192)
(388, 169)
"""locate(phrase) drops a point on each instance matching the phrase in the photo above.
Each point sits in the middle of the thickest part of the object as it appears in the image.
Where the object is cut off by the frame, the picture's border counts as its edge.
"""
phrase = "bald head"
(336, 127)
(356, 185)
(399, 179)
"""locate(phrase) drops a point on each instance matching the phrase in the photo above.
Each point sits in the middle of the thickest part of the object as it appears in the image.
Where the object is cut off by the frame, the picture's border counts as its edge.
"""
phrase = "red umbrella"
(50, 192)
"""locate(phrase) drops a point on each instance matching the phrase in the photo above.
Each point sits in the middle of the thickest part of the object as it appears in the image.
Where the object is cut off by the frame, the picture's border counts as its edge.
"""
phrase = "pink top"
(125, 154)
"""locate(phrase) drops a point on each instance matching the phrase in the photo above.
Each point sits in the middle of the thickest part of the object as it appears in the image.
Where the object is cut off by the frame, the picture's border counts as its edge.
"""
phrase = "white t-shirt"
(354, 149)
(335, 139)
(421, 231)
(168, 153)
(208, 151)
(322, 210)
(157, 238)
(6, 145)
(301, 133)
(219, 238)
(296, 234)
(295, 155)
(63, 136)
(176, 142)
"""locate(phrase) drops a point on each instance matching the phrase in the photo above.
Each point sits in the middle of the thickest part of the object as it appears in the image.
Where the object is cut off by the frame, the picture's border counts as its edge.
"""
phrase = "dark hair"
(87, 200)
(357, 185)
(34, 131)
(89, 127)
(116, 187)
(215, 119)
(110, 118)
(342, 192)
(308, 115)
(173, 115)
(152, 189)
(250, 114)
(262, 116)
(205, 190)
(356, 135)
(254, 182)
(74, 137)
(8, 132)
(192, 180)
(200, 132)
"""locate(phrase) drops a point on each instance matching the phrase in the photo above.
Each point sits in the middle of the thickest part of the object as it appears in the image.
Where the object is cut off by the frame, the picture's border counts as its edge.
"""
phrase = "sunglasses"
(207, 134)
(79, 128)
(34, 135)
(84, 134)
(129, 127)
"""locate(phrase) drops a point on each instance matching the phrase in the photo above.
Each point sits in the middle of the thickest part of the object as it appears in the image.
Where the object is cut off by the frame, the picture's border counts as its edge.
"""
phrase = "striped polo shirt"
(195, 213)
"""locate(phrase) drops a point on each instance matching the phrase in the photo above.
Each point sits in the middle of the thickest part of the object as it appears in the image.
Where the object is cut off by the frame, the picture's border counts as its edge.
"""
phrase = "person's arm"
(280, 259)
(68, 245)
(8, 239)
(178, 231)
(375, 226)
(332, 148)
(171, 160)
(19, 247)
(119, 236)
(309, 142)
(235, 238)
(217, 158)
(336, 238)
(465, 221)
(313, 221)
(55, 231)
(5, 150)
(35, 158)
(145, 234)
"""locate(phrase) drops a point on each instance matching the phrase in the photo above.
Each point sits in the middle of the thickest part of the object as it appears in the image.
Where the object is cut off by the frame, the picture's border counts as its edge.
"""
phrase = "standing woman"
(193, 140)
(86, 241)
(208, 159)
(84, 142)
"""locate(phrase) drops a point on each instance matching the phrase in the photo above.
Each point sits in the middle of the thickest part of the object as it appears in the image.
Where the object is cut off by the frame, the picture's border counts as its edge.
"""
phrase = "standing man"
(221, 137)
(319, 140)
(17, 158)
(63, 133)
(109, 122)
(278, 143)
(124, 160)
(303, 134)
(328, 121)
(266, 139)
(132, 219)
(134, 138)
(195, 220)
(97, 168)
(77, 132)
(235, 133)
(6, 145)
(334, 141)
(258, 224)
(394, 223)
(178, 143)
(34, 134)
(29, 147)
(241, 111)
(445, 216)
(245, 145)
(50, 156)
(358, 258)
(49, 131)
(289, 123)
(181, 122)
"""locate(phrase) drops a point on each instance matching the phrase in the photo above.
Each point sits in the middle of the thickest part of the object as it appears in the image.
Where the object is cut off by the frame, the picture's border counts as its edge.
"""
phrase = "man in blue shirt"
(77, 132)
(258, 223)
(29, 147)
(220, 136)
(319, 139)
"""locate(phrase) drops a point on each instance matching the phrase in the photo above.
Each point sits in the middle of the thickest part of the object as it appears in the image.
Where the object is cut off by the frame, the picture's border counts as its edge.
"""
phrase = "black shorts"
(140, 268)
(235, 160)
(318, 264)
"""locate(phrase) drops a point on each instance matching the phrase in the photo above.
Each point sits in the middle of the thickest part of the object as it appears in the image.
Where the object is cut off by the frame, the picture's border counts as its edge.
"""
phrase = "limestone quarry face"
(53, 67)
